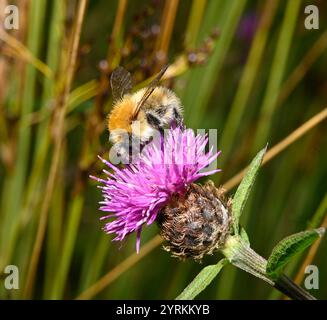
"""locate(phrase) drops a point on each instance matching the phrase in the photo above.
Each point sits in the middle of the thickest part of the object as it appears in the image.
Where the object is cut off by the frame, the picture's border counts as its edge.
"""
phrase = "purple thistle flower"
(135, 194)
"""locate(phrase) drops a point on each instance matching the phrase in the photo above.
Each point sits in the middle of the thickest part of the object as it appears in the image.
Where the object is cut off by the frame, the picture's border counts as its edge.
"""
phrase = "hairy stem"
(239, 253)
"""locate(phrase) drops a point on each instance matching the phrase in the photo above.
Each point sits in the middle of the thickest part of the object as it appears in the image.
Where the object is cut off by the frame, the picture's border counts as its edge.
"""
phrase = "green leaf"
(243, 190)
(288, 247)
(202, 280)
(244, 236)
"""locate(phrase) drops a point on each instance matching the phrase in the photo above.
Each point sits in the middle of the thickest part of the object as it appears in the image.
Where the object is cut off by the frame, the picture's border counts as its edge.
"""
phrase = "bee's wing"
(121, 83)
(150, 88)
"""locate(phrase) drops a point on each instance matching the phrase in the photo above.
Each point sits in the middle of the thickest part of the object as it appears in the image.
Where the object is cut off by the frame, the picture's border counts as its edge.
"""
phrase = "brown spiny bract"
(197, 222)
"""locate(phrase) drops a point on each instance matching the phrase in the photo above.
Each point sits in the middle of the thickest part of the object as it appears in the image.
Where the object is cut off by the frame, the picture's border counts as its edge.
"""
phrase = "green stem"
(239, 253)
(242, 256)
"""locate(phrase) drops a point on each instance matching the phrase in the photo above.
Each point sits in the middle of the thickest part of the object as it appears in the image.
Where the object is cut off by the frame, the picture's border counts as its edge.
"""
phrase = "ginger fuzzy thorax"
(158, 112)
(121, 115)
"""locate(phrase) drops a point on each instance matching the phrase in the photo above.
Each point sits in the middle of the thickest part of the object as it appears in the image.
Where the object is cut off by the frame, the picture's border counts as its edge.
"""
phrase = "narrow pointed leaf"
(288, 247)
(243, 190)
(201, 281)
(244, 236)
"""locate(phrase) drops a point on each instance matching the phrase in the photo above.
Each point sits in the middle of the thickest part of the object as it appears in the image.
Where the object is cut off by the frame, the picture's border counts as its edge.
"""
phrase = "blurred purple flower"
(135, 194)
(248, 26)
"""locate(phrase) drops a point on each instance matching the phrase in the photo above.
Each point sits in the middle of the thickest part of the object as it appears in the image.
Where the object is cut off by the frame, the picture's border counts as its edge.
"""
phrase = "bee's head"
(125, 146)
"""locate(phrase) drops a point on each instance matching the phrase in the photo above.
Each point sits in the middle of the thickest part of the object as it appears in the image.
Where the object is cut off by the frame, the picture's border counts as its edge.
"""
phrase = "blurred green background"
(247, 68)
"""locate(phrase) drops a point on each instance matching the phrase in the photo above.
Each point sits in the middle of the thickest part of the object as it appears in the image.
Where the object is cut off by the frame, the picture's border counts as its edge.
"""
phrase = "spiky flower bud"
(195, 223)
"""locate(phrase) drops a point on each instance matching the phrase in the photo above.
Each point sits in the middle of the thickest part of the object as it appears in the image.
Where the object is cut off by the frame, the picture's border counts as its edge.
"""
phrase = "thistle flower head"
(135, 194)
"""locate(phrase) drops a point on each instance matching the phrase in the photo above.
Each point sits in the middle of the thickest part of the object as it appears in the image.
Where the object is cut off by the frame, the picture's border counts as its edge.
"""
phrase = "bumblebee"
(136, 117)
